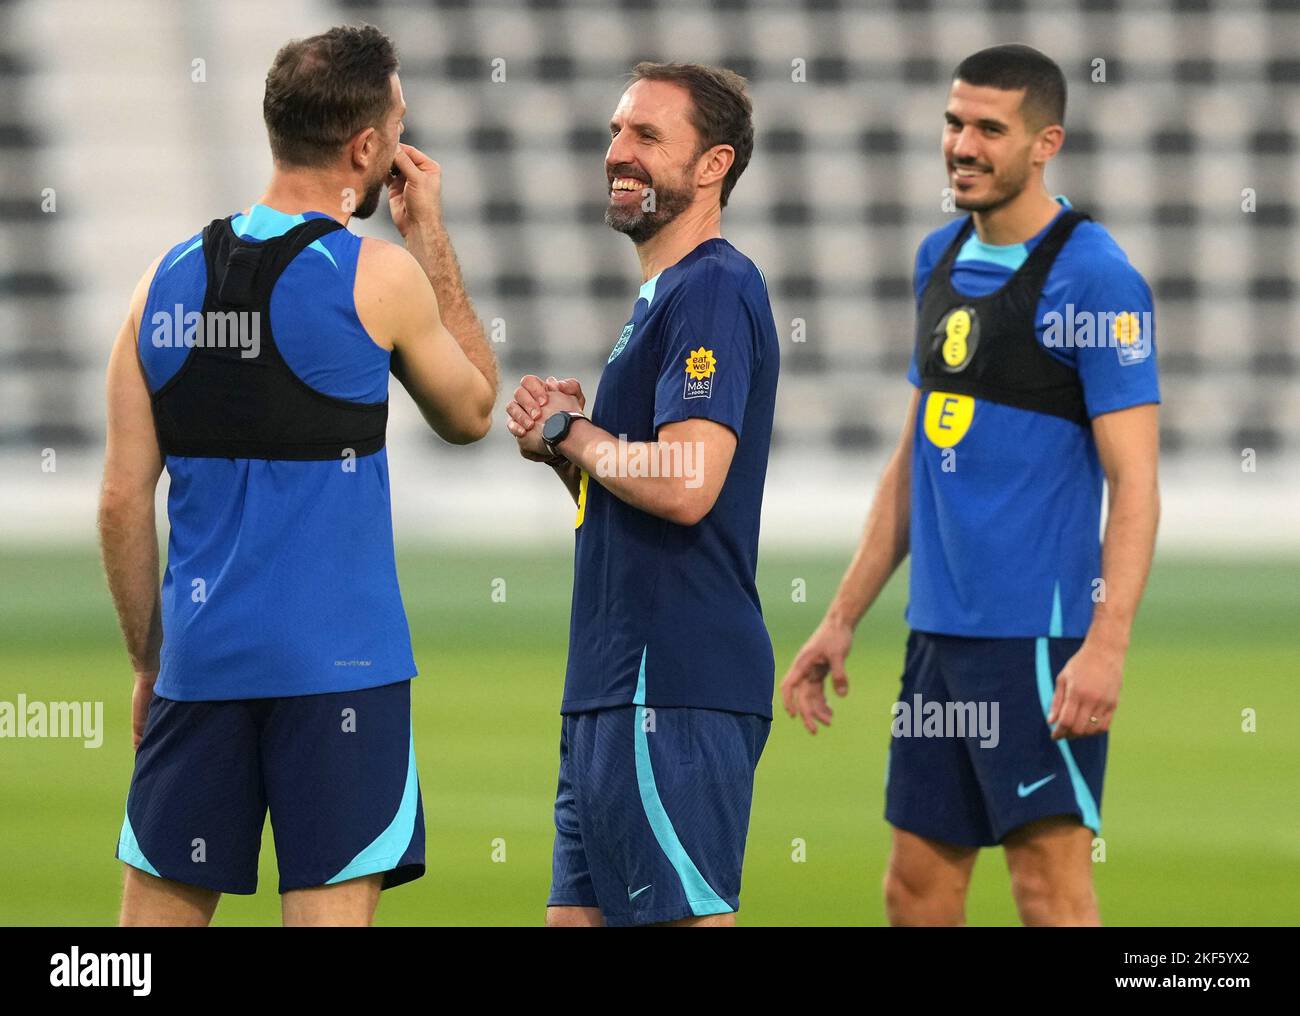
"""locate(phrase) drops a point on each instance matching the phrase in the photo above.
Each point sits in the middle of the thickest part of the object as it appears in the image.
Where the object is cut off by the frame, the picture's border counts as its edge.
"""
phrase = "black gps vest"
(987, 346)
(223, 403)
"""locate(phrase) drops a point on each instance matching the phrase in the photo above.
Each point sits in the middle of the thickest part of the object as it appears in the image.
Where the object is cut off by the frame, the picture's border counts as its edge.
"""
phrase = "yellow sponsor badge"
(947, 418)
(582, 500)
(700, 368)
(956, 332)
(1127, 328)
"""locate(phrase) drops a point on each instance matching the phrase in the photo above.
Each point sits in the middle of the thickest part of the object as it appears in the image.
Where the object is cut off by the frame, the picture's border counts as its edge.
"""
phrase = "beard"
(1003, 189)
(370, 199)
(639, 225)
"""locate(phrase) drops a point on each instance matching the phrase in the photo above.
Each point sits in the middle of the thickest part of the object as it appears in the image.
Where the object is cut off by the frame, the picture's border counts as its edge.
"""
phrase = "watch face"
(555, 427)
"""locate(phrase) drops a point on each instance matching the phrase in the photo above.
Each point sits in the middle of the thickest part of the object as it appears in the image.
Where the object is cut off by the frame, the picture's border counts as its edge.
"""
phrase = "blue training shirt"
(663, 614)
(280, 576)
(1006, 502)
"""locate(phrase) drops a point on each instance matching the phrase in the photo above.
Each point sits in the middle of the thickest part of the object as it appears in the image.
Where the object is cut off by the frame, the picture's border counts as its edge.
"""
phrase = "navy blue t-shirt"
(664, 614)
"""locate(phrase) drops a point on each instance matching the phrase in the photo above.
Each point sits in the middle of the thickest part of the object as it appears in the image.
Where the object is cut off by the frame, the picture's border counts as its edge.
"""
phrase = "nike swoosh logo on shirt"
(1023, 791)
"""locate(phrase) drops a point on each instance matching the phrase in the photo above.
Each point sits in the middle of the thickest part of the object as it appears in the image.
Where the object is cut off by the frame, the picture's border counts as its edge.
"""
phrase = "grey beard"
(639, 226)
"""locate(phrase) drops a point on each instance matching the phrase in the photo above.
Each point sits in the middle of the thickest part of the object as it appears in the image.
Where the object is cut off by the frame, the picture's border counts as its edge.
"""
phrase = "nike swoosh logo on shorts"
(633, 895)
(1023, 791)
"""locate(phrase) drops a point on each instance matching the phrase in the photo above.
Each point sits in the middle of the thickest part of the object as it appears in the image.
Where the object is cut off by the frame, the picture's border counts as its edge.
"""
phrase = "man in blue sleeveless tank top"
(1036, 378)
(272, 671)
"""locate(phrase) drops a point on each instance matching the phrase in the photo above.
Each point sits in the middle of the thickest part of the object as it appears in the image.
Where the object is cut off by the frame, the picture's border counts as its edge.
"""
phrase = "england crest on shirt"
(622, 341)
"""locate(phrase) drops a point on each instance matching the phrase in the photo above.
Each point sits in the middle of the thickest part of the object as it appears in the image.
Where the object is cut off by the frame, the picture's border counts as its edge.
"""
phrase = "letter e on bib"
(947, 417)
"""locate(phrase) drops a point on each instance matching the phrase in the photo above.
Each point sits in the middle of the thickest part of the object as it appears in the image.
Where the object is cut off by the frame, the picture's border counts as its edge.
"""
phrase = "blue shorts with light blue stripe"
(975, 785)
(652, 811)
(336, 770)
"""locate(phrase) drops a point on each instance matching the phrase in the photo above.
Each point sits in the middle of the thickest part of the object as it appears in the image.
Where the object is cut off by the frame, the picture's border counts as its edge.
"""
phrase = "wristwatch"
(556, 429)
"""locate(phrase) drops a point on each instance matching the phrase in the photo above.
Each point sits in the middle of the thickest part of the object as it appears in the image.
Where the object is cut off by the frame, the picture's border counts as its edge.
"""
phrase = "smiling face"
(652, 158)
(990, 151)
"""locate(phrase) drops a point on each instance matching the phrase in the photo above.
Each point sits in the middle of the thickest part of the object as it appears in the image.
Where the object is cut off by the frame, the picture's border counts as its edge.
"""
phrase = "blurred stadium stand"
(1200, 101)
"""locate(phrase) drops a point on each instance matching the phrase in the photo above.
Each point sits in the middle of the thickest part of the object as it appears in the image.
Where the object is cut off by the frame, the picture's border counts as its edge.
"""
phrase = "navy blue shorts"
(975, 785)
(652, 811)
(337, 771)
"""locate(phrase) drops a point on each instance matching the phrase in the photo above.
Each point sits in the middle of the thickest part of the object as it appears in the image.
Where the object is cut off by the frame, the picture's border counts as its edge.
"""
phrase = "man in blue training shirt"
(1035, 373)
(273, 671)
(668, 694)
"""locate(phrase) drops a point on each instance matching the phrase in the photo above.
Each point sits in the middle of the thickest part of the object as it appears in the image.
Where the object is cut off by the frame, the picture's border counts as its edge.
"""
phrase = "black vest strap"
(241, 399)
(991, 351)
(252, 267)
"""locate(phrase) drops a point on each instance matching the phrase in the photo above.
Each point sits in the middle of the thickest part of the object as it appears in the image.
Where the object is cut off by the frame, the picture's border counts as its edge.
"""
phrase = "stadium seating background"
(140, 119)
(1200, 101)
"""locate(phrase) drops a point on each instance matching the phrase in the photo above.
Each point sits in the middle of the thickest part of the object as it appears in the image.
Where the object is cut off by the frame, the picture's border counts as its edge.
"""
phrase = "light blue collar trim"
(263, 223)
(1010, 256)
(648, 289)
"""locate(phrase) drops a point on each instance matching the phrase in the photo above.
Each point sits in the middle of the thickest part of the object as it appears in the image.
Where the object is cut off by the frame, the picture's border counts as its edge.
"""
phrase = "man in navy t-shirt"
(668, 694)
(1036, 377)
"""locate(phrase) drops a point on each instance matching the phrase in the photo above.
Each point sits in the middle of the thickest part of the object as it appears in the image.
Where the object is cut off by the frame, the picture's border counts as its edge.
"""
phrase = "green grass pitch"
(1201, 820)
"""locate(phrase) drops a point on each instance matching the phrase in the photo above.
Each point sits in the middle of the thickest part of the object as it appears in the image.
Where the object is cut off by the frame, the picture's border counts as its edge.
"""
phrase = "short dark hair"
(1013, 67)
(322, 90)
(721, 111)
